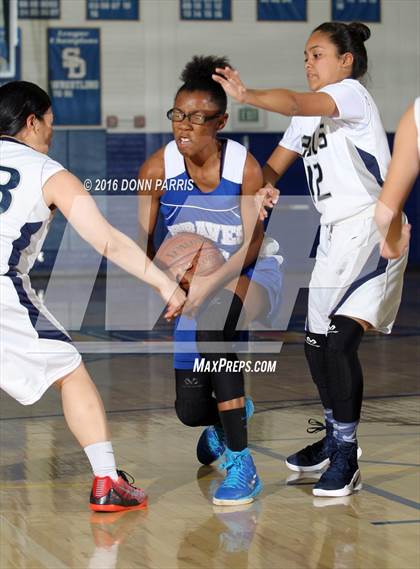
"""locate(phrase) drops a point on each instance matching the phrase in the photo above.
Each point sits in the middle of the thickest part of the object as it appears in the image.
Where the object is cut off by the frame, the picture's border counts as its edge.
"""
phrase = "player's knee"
(228, 386)
(344, 335)
(314, 348)
(344, 370)
(192, 413)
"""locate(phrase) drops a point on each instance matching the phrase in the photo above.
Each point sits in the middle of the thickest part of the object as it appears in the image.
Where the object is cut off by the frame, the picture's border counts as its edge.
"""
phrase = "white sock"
(101, 458)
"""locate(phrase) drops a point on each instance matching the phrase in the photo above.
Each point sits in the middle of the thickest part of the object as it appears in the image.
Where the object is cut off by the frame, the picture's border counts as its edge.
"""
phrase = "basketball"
(184, 249)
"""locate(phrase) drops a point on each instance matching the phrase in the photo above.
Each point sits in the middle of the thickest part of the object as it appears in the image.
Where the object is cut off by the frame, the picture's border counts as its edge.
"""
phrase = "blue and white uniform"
(215, 215)
(346, 159)
(35, 350)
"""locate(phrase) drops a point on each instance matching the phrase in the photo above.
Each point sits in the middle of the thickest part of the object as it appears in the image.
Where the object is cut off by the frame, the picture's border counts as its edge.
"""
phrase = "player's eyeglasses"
(197, 117)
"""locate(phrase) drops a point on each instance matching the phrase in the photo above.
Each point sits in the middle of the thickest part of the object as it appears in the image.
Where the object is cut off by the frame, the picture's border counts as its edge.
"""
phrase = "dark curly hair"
(349, 38)
(196, 76)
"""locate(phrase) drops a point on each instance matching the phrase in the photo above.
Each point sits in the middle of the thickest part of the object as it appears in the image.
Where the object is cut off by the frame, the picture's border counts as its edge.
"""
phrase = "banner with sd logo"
(74, 75)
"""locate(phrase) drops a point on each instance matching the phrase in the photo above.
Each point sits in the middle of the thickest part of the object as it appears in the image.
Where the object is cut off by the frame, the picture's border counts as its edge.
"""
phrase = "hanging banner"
(356, 10)
(4, 55)
(39, 9)
(74, 75)
(281, 10)
(112, 9)
(205, 9)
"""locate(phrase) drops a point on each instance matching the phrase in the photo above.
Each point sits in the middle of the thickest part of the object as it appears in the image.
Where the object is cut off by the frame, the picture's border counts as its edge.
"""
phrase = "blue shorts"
(267, 273)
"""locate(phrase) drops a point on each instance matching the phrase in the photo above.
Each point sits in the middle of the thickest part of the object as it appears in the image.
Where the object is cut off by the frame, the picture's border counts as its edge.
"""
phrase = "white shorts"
(350, 278)
(35, 350)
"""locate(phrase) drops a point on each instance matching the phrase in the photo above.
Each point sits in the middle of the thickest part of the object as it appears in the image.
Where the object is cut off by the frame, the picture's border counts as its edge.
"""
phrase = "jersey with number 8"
(345, 157)
(24, 215)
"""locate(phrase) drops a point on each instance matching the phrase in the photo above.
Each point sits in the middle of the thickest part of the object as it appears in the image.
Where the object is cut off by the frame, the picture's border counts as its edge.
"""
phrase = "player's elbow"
(293, 107)
(113, 245)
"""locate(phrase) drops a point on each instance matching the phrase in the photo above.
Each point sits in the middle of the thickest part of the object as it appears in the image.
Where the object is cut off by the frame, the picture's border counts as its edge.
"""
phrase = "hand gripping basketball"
(187, 254)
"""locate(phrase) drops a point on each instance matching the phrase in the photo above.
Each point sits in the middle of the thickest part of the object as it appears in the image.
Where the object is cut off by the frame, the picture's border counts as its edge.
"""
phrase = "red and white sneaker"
(116, 495)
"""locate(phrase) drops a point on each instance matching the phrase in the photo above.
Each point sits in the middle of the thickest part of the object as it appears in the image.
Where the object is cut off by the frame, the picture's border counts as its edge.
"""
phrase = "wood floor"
(45, 478)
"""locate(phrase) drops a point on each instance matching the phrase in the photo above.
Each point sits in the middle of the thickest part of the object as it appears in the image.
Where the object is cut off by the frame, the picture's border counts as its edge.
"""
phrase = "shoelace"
(215, 440)
(339, 462)
(316, 426)
(235, 474)
(126, 477)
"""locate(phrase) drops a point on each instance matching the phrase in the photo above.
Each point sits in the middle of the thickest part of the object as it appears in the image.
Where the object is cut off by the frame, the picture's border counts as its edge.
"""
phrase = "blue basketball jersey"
(215, 215)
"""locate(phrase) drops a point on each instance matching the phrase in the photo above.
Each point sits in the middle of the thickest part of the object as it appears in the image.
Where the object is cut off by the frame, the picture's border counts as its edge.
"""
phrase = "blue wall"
(96, 154)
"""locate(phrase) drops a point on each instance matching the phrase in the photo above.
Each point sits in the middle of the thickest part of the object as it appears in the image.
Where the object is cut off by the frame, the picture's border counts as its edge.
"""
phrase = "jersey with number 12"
(345, 157)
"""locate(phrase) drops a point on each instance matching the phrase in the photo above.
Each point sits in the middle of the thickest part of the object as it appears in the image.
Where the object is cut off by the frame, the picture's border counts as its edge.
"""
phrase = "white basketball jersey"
(417, 120)
(345, 157)
(24, 215)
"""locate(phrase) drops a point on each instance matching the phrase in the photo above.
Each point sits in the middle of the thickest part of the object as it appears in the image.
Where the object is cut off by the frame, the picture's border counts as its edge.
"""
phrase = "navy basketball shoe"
(110, 495)
(211, 444)
(342, 477)
(315, 456)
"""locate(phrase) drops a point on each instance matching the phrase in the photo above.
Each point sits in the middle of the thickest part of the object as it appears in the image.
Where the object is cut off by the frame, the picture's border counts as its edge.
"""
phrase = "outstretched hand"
(200, 288)
(231, 82)
(266, 198)
(174, 297)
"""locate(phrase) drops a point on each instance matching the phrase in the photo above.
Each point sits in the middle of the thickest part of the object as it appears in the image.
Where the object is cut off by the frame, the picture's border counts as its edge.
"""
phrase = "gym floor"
(45, 478)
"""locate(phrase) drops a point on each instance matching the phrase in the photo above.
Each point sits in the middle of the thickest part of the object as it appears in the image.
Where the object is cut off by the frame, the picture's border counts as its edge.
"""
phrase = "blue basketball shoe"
(241, 484)
(211, 444)
(342, 477)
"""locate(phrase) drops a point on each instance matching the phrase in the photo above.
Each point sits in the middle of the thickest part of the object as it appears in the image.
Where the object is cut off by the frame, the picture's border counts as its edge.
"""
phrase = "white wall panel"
(142, 61)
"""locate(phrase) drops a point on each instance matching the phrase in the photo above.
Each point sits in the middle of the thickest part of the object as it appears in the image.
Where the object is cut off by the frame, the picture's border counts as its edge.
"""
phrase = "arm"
(278, 163)
(404, 166)
(403, 170)
(151, 177)
(289, 103)
(253, 230)
(253, 234)
(67, 193)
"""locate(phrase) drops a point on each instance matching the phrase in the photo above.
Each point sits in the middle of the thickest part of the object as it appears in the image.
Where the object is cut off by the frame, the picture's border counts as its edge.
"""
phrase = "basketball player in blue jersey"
(337, 130)
(36, 351)
(223, 179)
(403, 171)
